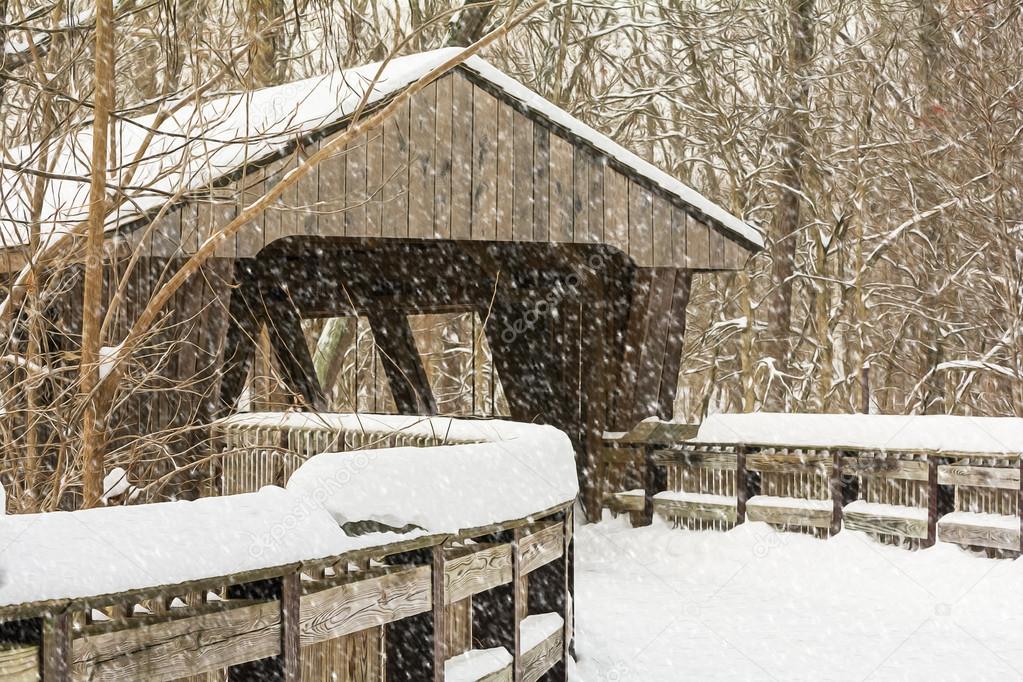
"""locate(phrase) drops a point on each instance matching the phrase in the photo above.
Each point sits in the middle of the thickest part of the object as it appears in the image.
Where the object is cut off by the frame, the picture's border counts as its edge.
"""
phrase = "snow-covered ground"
(661, 605)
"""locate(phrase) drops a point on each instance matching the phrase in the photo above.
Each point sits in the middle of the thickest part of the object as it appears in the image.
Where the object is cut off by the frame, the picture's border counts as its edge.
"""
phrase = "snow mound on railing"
(94, 552)
(943, 433)
(520, 470)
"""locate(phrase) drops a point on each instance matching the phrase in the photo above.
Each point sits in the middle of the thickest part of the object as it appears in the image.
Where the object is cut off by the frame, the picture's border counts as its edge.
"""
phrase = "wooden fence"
(908, 497)
(377, 614)
(496, 599)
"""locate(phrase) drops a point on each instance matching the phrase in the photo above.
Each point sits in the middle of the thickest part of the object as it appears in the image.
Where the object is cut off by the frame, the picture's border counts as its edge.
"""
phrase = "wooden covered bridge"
(477, 195)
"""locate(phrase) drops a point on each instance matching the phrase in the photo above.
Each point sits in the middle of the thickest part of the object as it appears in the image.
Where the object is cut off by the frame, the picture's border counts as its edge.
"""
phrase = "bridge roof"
(199, 147)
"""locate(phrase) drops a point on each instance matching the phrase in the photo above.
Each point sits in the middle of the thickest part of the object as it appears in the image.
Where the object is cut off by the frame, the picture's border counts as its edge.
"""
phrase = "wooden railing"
(907, 497)
(384, 612)
(406, 610)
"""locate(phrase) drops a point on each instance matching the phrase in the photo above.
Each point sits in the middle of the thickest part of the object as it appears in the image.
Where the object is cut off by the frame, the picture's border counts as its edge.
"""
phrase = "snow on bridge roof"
(944, 433)
(200, 144)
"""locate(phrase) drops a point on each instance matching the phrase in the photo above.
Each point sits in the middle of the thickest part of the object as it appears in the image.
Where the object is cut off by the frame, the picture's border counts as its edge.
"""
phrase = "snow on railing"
(358, 541)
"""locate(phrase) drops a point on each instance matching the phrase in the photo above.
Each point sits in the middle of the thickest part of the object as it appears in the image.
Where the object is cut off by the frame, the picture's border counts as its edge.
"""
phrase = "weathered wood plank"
(374, 182)
(662, 246)
(360, 604)
(984, 477)
(470, 572)
(331, 196)
(641, 242)
(505, 170)
(355, 187)
(461, 157)
(972, 535)
(442, 160)
(789, 464)
(542, 657)
(885, 467)
(179, 648)
(58, 648)
(543, 545)
(19, 663)
(562, 228)
(713, 461)
(885, 525)
(541, 184)
(421, 187)
(789, 516)
(484, 164)
(581, 196)
(616, 209)
(679, 256)
(396, 173)
(522, 179)
(697, 244)
(706, 511)
(596, 200)
(625, 502)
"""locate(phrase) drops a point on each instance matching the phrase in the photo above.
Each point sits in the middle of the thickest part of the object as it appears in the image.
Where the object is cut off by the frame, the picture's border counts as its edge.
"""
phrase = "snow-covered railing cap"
(519, 471)
(938, 433)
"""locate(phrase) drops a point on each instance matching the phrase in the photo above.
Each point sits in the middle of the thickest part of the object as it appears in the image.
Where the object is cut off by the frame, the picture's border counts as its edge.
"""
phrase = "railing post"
(568, 607)
(55, 653)
(654, 481)
(291, 649)
(835, 485)
(741, 485)
(932, 501)
(440, 622)
(520, 605)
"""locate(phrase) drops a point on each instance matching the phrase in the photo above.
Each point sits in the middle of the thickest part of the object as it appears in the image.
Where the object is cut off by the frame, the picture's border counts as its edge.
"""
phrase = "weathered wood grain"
(661, 219)
(442, 160)
(396, 174)
(716, 461)
(979, 536)
(885, 467)
(484, 164)
(561, 195)
(544, 543)
(542, 657)
(461, 157)
(705, 511)
(522, 179)
(788, 464)
(697, 245)
(984, 477)
(541, 184)
(621, 503)
(641, 246)
(885, 525)
(790, 516)
(361, 604)
(505, 171)
(19, 663)
(177, 648)
(581, 200)
(470, 572)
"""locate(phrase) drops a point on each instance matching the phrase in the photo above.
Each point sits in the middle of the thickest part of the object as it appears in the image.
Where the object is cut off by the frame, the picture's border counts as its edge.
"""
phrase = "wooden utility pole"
(93, 431)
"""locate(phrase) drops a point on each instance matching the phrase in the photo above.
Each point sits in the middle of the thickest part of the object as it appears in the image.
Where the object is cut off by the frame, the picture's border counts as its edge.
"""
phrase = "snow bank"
(662, 605)
(522, 469)
(883, 432)
(199, 144)
(67, 555)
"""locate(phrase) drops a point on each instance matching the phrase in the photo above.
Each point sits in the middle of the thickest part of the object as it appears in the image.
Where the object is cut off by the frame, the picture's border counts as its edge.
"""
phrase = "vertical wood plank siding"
(460, 163)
